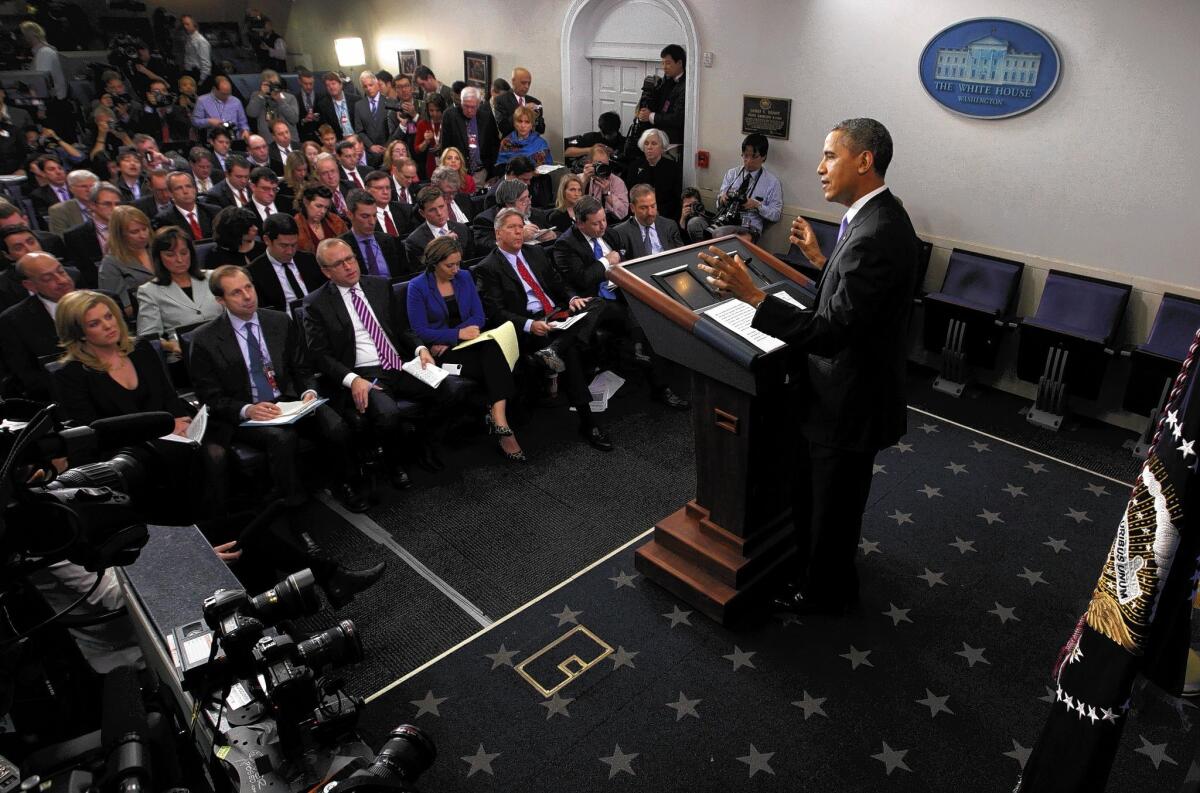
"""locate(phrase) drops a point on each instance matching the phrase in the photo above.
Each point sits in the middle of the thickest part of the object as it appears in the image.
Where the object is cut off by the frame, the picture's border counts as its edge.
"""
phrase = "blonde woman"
(296, 177)
(453, 158)
(127, 265)
(570, 190)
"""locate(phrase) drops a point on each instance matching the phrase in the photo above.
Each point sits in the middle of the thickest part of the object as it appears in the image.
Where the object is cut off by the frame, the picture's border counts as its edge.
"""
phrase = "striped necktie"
(388, 358)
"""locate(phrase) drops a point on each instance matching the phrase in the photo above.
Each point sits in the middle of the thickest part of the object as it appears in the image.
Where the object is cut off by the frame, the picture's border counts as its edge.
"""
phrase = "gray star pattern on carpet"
(857, 657)
(1079, 516)
(903, 448)
(740, 658)
(480, 761)
(878, 469)
(619, 761)
(974, 655)
(429, 704)
(1034, 577)
(1037, 468)
(980, 446)
(623, 657)
(502, 657)
(1057, 545)
(758, 761)
(901, 517)
(932, 578)
(897, 614)
(928, 428)
(567, 617)
(1005, 613)
(963, 546)
(957, 468)
(1097, 490)
(990, 517)
(623, 579)
(935, 703)
(684, 707)
(678, 616)
(868, 547)
(892, 759)
(1157, 752)
(1019, 753)
(812, 706)
(1014, 490)
(931, 492)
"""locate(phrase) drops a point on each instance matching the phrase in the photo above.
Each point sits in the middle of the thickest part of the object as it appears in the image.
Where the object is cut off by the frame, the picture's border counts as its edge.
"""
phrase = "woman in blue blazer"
(444, 309)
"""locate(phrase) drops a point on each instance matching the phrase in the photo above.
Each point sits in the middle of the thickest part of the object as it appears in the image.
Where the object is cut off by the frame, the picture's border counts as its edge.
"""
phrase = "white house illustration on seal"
(989, 60)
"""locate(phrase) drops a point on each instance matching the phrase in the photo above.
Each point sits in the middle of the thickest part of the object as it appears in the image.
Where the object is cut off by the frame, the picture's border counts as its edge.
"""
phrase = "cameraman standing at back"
(161, 117)
(663, 107)
(750, 196)
(271, 101)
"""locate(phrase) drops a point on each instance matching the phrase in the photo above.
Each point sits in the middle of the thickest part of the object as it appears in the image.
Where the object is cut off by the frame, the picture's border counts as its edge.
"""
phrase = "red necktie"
(242, 197)
(531, 282)
(357, 181)
(388, 225)
(403, 198)
(521, 101)
(340, 202)
(196, 232)
(166, 131)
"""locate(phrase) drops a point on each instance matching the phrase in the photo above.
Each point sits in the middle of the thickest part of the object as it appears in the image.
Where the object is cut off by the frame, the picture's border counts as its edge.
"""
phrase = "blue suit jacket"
(427, 308)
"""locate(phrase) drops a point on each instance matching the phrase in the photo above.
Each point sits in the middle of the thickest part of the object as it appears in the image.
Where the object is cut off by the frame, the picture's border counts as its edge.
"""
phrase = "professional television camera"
(650, 87)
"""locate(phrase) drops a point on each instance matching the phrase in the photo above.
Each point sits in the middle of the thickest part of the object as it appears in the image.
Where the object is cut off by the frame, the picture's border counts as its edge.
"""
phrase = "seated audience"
(48, 241)
(570, 190)
(692, 206)
(130, 178)
(258, 154)
(234, 189)
(264, 186)
(284, 273)
(471, 129)
(392, 218)
(315, 221)
(585, 252)
(311, 149)
(178, 298)
(609, 134)
(515, 194)
(646, 232)
(105, 135)
(235, 232)
(220, 108)
(662, 173)
(434, 211)
(404, 182)
(194, 218)
(506, 103)
(328, 139)
(427, 140)
(87, 243)
(378, 253)
(350, 171)
(78, 209)
(127, 264)
(200, 163)
(444, 309)
(27, 328)
(607, 188)
(395, 153)
(186, 85)
(221, 143)
(295, 179)
(762, 191)
(462, 207)
(523, 141)
(156, 196)
(55, 189)
(329, 175)
(518, 284)
(272, 102)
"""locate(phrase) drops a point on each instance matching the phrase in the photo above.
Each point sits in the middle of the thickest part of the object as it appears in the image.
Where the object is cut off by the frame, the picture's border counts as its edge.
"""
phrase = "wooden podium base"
(715, 571)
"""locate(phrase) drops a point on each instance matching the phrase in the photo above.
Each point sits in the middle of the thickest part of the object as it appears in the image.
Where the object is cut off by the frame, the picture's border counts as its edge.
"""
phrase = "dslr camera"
(159, 99)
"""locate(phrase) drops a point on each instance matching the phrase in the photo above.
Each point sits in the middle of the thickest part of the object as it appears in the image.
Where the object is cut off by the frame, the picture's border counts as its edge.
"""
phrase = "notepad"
(431, 376)
(290, 413)
(195, 430)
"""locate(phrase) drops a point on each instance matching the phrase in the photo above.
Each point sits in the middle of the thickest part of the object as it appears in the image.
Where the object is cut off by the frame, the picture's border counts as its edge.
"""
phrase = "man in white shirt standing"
(45, 58)
(197, 53)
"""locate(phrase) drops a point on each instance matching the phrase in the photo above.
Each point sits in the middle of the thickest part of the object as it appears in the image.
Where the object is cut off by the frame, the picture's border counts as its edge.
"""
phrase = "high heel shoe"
(515, 457)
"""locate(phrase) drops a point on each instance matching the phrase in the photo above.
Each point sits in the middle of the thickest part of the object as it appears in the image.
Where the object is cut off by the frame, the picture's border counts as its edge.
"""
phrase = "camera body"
(160, 99)
(650, 87)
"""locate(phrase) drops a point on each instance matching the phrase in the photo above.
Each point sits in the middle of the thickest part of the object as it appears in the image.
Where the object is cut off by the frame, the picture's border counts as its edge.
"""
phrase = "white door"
(617, 87)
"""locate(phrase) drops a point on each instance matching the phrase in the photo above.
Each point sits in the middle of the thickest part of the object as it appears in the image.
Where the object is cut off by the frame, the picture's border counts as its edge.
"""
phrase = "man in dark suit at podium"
(855, 339)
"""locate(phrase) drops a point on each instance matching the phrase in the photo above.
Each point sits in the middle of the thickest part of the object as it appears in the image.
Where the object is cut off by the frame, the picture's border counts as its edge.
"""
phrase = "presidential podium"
(724, 549)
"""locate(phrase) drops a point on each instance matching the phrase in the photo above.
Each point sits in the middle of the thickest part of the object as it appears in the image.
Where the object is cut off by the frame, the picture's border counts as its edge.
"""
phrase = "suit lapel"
(276, 341)
(231, 351)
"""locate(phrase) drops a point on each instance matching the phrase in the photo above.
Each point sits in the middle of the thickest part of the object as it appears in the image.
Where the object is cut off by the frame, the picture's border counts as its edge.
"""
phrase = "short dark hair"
(520, 165)
(428, 195)
(218, 132)
(279, 224)
(609, 122)
(303, 72)
(217, 277)
(384, 76)
(342, 145)
(330, 76)
(236, 161)
(757, 143)
(164, 240)
(639, 190)
(12, 231)
(867, 134)
(586, 207)
(675, 52)
(356, 197)
(436, 100)
(45, 158)
(423, 73)
(501, 85)
(457, 86)
(691, 192)
(375, 176)
(128, 151)
(197, 153)
(231, 224)
(316, 191)
(263, 172)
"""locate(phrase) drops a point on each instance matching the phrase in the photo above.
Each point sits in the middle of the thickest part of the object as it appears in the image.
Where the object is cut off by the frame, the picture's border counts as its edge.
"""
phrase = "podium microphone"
(123, 732)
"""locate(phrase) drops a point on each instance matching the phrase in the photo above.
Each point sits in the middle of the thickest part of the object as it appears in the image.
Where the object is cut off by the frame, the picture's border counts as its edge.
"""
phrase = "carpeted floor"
(977, 559)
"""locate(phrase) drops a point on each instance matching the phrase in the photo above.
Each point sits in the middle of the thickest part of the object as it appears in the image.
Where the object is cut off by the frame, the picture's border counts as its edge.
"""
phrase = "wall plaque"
(768, 115)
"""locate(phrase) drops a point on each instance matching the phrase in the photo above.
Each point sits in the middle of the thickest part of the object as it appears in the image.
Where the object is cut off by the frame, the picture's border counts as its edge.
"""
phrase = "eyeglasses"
(343, 262)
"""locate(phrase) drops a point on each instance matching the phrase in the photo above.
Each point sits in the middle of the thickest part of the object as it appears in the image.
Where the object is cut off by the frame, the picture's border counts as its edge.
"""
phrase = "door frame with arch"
(583, 17)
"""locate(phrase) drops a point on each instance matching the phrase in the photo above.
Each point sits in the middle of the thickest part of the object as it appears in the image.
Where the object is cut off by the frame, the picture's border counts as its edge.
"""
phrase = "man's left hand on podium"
(729, 276)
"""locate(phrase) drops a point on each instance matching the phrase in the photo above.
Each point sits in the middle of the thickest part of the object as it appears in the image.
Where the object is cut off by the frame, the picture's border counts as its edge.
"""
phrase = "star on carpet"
(502, 657)
(868, 547)
(931, 492)
(758, 761)
(1076, 515)
(1014, 490)
(1005, 613)
(623, 579)
(974, 655)
(1097, 490)
(1188, 449)
(556, 706)
(956, 468)
(898, 615)
(480, 761)
(1157, 752)
(740, 658)
(811, 706)
(857, 657)
(619, 761)
(928, 428)
(902, 447)
(990, 517)
(566, 616)
(1032, 576)
(901, 517)
(1037, 468)
(678, 616)
(428, 704)
(623, 657)
(878, 469)
(1019, 753)
(962, 545)
(980, 446)
(892, 759)
(1050, 697)
(684, 707)
(932, 578)
(935, 703)
(1057, 545)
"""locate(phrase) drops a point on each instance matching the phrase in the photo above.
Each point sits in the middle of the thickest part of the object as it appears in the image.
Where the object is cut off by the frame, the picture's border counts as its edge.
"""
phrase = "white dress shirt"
(532, 304)
(281, 276)
(197, 54)
(655, 242)
(239, 333)
(264, 210)
(860, 203)
(52, 307)
(459, 215)
(365, 353)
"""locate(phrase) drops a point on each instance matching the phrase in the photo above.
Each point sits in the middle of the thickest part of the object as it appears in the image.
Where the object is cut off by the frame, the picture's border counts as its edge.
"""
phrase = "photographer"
(662, 108)
(220, 108)
(146, 68)
(272, 101)
(161, 116)
(601, 183)
(409, 110)
(693, 207)
(107, 135)
(750, 196)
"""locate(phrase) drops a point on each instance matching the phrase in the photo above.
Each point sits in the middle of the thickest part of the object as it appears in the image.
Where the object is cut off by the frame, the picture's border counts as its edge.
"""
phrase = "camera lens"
(407, 754)
(333, 647)
(294, 596)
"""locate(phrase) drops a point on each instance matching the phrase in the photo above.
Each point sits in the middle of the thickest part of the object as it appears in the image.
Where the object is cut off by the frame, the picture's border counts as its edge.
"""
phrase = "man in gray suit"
(69, 214)
(645, 233)
(371, 119)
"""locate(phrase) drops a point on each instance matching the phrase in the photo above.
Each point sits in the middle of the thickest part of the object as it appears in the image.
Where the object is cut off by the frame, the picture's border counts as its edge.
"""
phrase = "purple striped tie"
(388, 358)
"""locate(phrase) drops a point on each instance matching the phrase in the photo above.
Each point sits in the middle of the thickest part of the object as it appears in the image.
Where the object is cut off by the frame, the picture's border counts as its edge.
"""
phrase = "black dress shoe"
(672, 400)
(349, 498)
(597, 438)
(344, 584)
(399, 478)
(311, 547)
(797, 603)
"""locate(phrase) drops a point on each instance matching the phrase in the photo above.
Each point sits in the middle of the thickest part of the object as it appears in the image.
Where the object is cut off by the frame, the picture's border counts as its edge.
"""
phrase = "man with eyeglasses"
(264, 184)
(87, 243)
(749, 198)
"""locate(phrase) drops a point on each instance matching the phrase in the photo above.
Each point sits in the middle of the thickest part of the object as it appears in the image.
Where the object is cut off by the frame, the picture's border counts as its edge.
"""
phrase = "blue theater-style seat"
(1066, 346)
(967, 316)
(1154, 365)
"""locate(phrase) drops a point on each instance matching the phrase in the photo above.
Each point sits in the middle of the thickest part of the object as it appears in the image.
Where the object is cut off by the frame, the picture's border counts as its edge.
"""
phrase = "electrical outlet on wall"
(708, 59)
